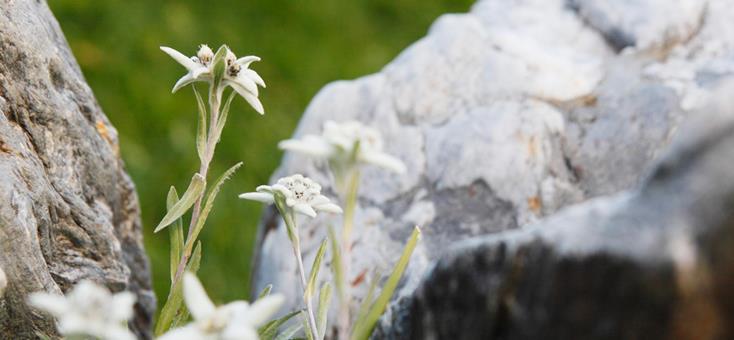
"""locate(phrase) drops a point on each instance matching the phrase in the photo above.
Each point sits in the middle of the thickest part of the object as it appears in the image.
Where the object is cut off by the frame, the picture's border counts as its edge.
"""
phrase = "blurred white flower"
(301, 194)
(337, 142)
(89, 310)
(237, 73)
(237, 320)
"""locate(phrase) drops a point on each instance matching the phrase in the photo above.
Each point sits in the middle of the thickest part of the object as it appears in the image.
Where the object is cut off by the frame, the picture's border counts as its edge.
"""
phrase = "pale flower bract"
(236, 320)
(89, 310)
(237, 73)
(301, 194)
(337, 143)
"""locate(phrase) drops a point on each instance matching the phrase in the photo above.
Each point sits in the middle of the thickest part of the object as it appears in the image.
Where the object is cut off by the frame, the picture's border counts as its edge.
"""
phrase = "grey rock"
(504, 116)
(653, 263)
(68, 210)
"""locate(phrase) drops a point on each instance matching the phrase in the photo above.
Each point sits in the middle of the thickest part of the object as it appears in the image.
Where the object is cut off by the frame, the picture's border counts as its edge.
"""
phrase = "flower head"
(89, 310)
(298, 193)
(237, 320)
(337, 144)
(236, 72)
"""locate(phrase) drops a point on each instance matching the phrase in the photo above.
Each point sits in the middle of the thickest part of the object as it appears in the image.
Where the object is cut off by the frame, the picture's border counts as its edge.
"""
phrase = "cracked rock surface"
(68, 210)
(504, 116)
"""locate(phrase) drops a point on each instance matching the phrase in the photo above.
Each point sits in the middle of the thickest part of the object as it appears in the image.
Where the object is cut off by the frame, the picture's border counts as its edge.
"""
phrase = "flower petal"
(304, 209)
(329, 207)
(121, 308)
(254, 76)
(198, 302)
(188, 332)
(383, 160)
(247, 60)
(246, 83)
(51, 303)
(239, 332)
(262, 310)
(185, 80)
(180, 58)
(258, 196)
(310, 145)
(252, 100)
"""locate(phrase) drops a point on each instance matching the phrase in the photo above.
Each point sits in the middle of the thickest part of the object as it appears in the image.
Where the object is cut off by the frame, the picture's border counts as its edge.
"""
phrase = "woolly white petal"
(51, 303)
(122, 306)
(254, 76)
(254, 102)
(258, 196)
(329, 207)
(304, 209)
(198, 302)
(189, 332)
(180, 58)
(247, 60)
(310, 145)
(383, 160)
(185, 80)
(239, 332)
(264, 188)
(246, 83)
(262, 309)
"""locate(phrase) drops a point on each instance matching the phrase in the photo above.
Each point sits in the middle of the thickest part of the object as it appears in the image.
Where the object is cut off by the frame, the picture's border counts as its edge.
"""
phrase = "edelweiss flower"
(301, 194)
(236, 72)
(89, 310)
(337, 143)
(237, 320)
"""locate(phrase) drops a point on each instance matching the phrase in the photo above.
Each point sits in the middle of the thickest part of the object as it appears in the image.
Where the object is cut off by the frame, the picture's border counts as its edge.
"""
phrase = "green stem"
(214, 103)
(345, 291)
(290, 222)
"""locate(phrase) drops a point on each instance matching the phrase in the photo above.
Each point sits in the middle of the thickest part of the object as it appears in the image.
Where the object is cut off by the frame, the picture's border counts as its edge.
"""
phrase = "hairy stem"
(345, 296)
(214, 103)
(290, 222)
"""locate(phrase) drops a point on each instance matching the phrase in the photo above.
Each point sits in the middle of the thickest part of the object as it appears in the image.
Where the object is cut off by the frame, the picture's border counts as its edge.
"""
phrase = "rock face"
(653, 263)
(69, 211)
(504, 116)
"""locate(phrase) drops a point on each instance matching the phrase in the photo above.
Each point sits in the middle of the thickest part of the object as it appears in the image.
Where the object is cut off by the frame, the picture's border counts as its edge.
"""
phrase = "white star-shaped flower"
(237, 320)
(89, 310)
(337, 142)
(237, 73)
(301, 194)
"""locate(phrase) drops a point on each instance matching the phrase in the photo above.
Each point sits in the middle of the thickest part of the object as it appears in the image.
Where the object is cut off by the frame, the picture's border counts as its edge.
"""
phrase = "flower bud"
(205, 54)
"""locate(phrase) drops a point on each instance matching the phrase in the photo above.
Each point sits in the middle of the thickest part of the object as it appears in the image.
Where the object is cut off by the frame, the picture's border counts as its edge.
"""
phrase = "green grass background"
(303, 46)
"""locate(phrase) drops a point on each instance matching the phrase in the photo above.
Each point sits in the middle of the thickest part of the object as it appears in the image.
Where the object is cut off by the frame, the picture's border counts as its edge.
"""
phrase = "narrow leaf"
(172, 308)
(176, 233)
(196, 188)
(270, 329)
(219, 65)
(304, 321)
(265, 292)
(322, 313)
(288, 333)
(201, 136)
(368, 299)
(209, 203)
(224, 114)
(336, 262)
(363, 328)
(315, 269)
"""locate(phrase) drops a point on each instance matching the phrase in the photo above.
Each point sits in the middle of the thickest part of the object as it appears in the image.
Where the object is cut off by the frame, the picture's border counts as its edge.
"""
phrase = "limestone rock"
(69, 211)
(654, 263)
(505, 115)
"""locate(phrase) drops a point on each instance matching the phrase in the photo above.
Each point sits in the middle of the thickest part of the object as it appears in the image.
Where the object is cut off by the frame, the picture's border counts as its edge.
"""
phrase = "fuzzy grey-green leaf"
(176, 233)
(196, 187)
(201, 136)
(363, 328)
(315, 269)
(322, 313)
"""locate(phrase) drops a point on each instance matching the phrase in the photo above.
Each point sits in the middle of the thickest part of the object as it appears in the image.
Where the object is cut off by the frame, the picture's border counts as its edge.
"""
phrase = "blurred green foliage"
(303, 45)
